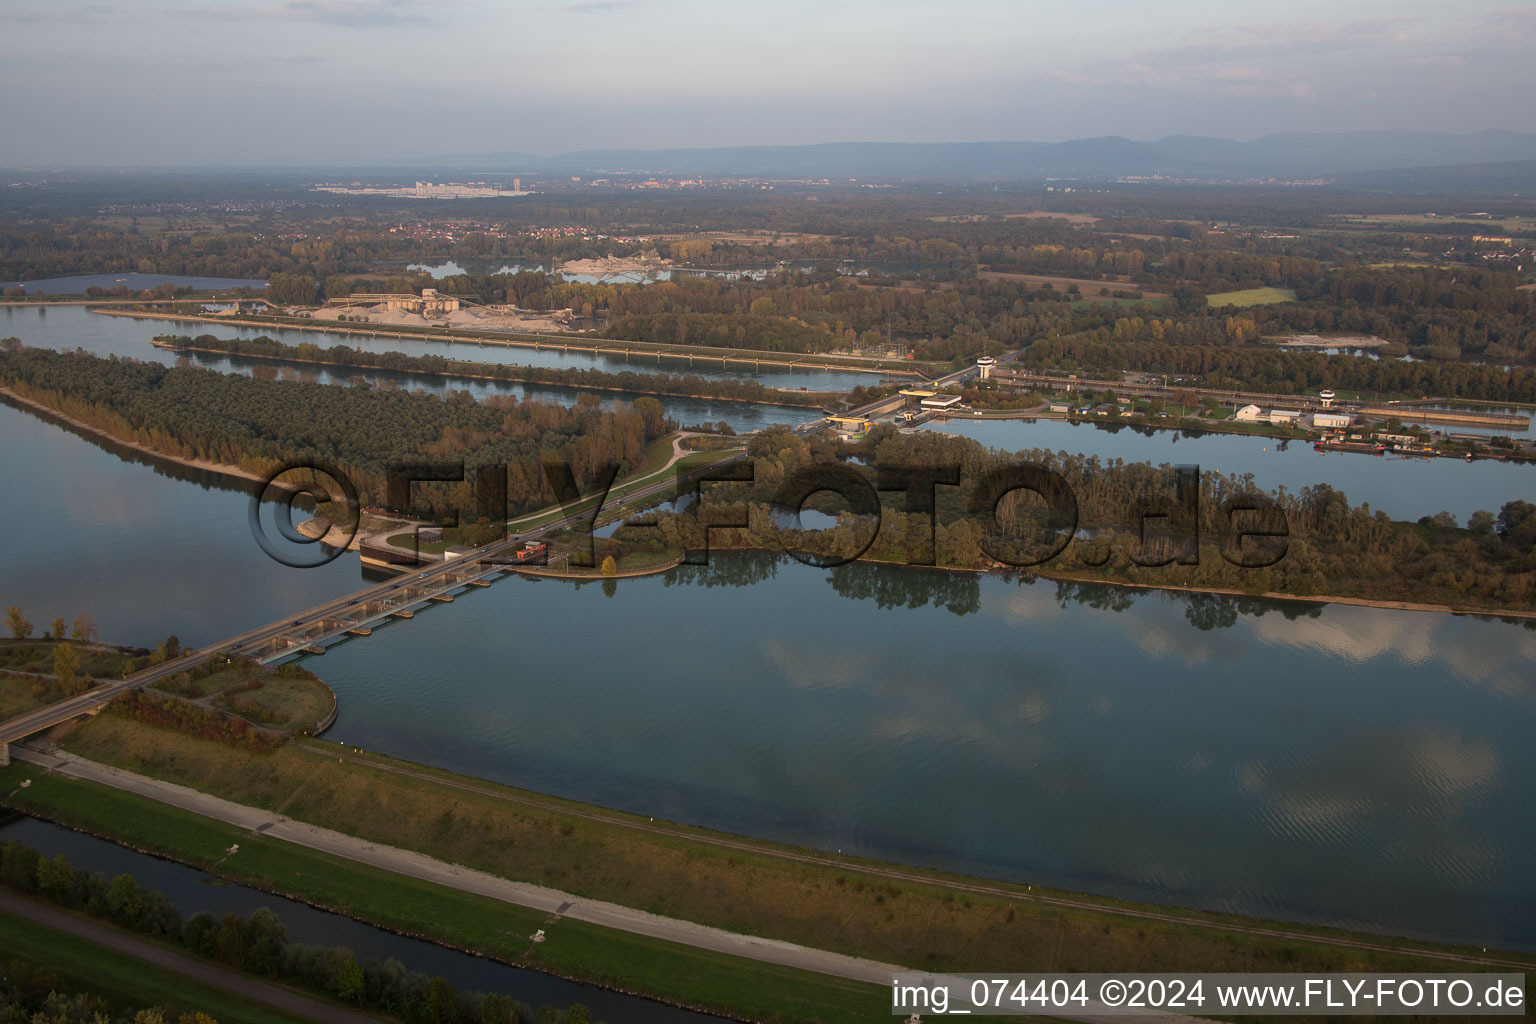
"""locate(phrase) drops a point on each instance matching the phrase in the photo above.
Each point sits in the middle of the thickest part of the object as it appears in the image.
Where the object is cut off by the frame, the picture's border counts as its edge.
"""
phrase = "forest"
(687, 384)
(263, 425)
(1085, 523)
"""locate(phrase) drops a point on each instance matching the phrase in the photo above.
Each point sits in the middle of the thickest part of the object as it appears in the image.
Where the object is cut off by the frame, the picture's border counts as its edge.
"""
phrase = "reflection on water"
(72, 327)
(1276, 759)
(69, 327)
(147, 552)
(1404, 488)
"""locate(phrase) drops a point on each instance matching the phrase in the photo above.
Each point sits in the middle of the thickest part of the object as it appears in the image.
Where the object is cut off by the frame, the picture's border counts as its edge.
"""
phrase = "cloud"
(342, 13)
(599, 6)
(1288, 39)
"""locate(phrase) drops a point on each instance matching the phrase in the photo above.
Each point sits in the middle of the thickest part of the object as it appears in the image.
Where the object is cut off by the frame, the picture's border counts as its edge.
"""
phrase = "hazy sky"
(282, 81)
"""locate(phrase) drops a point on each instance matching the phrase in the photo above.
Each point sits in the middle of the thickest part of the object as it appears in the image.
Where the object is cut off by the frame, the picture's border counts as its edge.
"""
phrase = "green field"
(125, 982)
(884, 912)
(20, 694)
(37, 656)
(1251, 297)
(279, 703)
(630, 963)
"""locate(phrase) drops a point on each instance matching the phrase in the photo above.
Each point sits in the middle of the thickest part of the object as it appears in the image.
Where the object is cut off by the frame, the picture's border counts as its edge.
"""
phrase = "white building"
(1330, 420)
(984, 367)
(1248, 414)
(1283, 417)
(941, 402)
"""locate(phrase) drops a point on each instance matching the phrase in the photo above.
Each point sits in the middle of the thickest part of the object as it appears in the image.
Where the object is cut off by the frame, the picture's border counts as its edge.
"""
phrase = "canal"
(194, 891)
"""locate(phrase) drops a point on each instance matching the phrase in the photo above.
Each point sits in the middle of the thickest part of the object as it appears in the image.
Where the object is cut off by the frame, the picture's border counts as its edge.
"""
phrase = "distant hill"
(1291, 155)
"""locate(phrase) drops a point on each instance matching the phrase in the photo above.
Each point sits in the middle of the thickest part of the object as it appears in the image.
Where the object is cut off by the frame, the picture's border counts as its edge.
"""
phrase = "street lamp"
(24, 784)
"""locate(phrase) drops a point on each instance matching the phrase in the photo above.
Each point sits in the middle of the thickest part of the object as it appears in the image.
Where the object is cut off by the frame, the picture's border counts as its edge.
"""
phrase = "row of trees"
(1330, 546)
(685, 384)
(37, 994)
(259, 945)
(261, 426)
(83, 631)
(1284, 371)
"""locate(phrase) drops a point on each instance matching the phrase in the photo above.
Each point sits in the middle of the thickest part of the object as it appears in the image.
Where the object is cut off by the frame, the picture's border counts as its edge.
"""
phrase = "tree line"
(260, 945)
(261, 426)
(1330, 547)
(684, 384)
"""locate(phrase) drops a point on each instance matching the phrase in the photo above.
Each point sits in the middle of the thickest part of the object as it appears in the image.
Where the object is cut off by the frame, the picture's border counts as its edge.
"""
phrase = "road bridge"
(332, 619)
(881, 406)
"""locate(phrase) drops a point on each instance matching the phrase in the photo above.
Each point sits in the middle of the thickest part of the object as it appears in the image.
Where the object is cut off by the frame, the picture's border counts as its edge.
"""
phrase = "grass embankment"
(37, 656)
(20, 694)
(1251, 297)
(919, 918)
(125, 982)
(287, 699)
(614, 504)
(617, 960)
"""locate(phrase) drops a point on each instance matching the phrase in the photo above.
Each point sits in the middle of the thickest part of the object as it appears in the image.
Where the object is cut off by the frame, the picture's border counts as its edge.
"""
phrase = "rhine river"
(69, 327)
(1403, 488)
(1282, 760)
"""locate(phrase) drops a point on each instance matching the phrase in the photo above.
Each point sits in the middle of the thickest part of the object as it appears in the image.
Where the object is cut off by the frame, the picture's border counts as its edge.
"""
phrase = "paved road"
(415, 865)
(980, 888)
(537, 897)
(209, 974)
(426, 578)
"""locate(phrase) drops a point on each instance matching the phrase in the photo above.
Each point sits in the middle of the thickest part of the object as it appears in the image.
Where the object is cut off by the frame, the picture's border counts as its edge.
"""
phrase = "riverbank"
(855, 907)
(132, 967)
(999, 569)
(529, 375)
(943, 921)
(124, 969)
(441, 902)
(562, 342)
(51, 413)
(1186, 425)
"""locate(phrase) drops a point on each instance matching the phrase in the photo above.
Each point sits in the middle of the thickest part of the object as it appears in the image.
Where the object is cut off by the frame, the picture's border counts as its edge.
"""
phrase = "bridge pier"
(5, 754)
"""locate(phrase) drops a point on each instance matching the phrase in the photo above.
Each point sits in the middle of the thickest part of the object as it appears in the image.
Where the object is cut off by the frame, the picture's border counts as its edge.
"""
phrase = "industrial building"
(429, 301)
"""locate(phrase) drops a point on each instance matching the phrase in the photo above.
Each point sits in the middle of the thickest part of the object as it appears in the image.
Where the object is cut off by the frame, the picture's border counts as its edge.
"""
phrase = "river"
(1403, 487)
(1307, 763)
(194, 892)
(70, 327)
(76, 326)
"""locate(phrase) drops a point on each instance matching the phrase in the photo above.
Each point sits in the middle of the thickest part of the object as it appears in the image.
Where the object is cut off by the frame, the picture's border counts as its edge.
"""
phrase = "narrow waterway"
(193, 891)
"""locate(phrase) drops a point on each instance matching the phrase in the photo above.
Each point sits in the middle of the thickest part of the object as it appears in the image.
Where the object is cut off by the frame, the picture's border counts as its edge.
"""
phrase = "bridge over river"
(353, 614)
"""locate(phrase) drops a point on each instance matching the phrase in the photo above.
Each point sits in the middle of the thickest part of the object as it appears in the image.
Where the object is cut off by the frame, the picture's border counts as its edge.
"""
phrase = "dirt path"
(229, 981)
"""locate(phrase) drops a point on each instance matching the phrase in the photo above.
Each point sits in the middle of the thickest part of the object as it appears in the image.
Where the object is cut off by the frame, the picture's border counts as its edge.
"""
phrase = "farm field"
(1088, 287)
(1251, 297)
